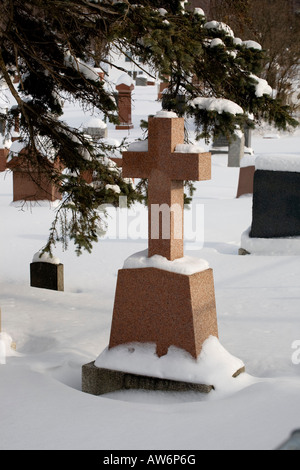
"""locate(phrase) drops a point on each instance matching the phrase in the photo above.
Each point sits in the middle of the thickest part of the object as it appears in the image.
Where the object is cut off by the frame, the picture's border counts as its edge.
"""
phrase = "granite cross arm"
(166, 170)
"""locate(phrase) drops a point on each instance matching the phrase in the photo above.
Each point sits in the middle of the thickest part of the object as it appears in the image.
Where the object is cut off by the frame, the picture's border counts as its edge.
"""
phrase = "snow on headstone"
(96, 128)
(46, 272)
(276, 202)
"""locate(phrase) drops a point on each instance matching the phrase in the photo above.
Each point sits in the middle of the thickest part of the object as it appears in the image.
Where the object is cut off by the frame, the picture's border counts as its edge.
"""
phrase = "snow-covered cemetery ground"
(56, 333)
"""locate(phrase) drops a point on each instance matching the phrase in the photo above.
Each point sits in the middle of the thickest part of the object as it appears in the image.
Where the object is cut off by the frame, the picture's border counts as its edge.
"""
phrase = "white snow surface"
(248, 160)
(286, 246)
(186, 265)
(165, 114)
(214, 366)
(124, 79)
(279, 162)
(189, 148)
(96, 122)
(138, 146)
(258, 304)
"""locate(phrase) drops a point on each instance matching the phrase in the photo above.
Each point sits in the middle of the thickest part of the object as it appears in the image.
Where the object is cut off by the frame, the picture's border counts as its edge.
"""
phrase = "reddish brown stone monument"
(3, 158)
(124, 105)
(152, 305)
(170, 309)
(30, 184)
(246, 179)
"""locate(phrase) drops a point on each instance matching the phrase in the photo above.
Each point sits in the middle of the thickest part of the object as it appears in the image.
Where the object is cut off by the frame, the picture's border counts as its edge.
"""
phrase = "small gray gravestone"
(141, 80)
(248, 136)
(220, 145)
(236, 150)
(96, 128)
(46, 275)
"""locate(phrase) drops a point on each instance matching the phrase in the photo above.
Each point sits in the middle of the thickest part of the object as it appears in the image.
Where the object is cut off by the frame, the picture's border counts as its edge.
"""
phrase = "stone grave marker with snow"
(236, 149)
(141, 80)
(276, 207)
(31, 184)
(246, 176)
(46, 272)
(124, 88)
(220, 145)
(96, 128)
(163, 301)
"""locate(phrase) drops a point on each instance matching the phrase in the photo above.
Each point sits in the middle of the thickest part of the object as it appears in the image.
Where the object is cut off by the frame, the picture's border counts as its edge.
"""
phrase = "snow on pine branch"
(220, 105)
(262, 87)
(86, 70)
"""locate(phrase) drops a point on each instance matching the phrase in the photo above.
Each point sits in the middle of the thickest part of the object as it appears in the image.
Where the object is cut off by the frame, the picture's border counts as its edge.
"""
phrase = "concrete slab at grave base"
(99, 381)
(166, 308)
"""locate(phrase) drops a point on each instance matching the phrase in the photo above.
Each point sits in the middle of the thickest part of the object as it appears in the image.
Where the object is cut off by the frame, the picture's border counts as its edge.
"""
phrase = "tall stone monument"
(125, 88)
(154, 305)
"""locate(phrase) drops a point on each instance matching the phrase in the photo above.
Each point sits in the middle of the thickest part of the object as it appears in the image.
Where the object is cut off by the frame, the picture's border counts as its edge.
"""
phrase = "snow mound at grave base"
(286, 246)
(186, 265)
(214, 366)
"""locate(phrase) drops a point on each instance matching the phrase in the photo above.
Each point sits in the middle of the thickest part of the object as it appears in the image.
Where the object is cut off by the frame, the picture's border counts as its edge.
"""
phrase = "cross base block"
(166, 308)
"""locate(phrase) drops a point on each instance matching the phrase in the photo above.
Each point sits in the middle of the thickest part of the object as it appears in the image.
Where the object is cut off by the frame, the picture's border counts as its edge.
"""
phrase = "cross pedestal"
(155, 305)
(170, 308)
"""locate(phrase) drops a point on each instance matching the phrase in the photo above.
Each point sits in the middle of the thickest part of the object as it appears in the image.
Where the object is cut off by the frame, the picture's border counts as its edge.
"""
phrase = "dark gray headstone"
(47, 276)
(276, 204)
(220, 141)
(141, 81)
(168, 102)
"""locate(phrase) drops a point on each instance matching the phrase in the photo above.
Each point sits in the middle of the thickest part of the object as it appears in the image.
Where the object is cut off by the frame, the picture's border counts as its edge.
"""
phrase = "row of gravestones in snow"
(276, 200)
(176, 289)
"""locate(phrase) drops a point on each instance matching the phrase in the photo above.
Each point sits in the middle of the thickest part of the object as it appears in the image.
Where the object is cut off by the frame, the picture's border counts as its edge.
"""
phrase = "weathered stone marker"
(276, 205)
(153, 305)
(32, 184)
(47, 273)
(236, 150)
(246, 176)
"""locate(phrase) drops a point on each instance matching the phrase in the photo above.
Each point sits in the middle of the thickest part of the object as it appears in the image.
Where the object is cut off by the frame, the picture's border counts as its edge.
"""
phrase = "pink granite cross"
(166, 171)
